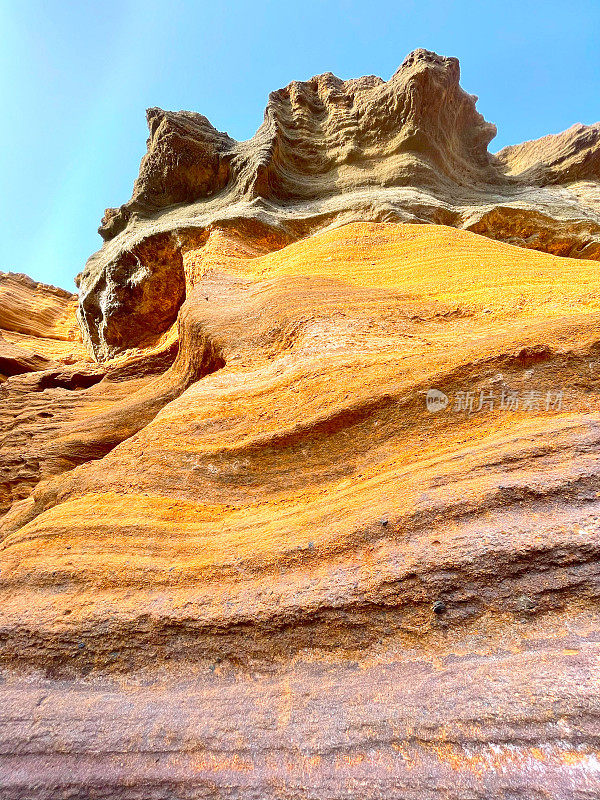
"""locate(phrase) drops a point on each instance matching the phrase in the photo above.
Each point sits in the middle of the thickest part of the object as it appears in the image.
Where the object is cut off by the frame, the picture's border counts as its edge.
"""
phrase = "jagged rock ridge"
(412, 149)
(321, 137)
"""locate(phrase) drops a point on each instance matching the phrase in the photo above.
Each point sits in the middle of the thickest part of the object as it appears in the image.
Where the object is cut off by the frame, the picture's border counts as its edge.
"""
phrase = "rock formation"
(315, 512)
(412, 149)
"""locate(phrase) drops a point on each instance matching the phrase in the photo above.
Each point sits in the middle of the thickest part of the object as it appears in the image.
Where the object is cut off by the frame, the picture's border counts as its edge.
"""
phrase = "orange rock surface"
(331, 529)
(37, 326)
(286, 524)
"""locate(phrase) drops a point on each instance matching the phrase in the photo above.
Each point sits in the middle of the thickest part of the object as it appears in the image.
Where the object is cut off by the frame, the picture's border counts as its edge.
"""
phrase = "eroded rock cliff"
(412, 149)
(248, 552)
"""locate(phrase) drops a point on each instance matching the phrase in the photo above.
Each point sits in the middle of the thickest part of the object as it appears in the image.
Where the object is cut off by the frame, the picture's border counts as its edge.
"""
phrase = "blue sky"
(76, 78)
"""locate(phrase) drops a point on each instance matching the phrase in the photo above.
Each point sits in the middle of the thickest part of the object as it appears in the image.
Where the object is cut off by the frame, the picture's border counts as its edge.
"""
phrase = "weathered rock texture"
(240, 557)
(33, 315)
(412, 149)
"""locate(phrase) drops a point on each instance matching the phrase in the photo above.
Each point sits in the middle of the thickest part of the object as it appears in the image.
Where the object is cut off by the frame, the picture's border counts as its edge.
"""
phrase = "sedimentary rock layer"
(287, 577)
(38, 328)
(308, 503)
(410, 149)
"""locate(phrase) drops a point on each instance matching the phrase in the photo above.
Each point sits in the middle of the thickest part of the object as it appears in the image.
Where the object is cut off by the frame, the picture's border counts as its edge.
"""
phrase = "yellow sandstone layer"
(333, 586)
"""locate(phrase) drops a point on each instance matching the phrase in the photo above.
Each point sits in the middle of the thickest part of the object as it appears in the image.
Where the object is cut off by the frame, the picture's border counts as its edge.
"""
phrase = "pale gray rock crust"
(412, 149)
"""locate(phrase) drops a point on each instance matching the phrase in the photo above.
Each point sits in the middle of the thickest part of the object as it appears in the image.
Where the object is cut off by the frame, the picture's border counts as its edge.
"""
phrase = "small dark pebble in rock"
(525, 603)
(439, 607)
